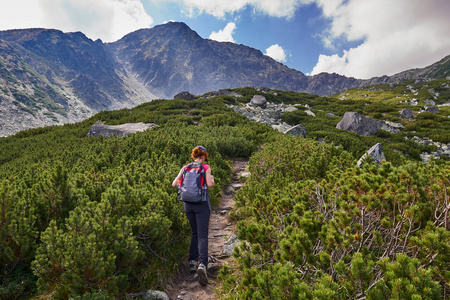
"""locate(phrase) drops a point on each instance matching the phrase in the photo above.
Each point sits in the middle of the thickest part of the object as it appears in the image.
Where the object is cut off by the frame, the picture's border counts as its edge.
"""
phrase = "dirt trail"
(185, 285)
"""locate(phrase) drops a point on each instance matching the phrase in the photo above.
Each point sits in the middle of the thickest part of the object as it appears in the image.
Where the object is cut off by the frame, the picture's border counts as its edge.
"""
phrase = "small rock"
(229, 189)
(331, 115)
(228, 247)
(155, 295)
(237, 186)
(246, 174)
(310, 113)
(429, 102)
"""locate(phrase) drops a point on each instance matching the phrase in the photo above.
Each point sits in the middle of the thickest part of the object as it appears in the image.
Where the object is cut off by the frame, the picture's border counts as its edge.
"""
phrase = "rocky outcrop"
(375, 152)
(220, 93)
(392, 127)
(355, 122)
(184, 96)
(270, 114)
(99, 129)
(441, 148)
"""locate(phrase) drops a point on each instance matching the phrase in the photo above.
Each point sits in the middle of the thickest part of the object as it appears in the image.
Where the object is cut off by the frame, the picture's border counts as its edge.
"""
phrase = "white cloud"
(276, 52)
(219, 8)
(106, 19)
(20, 14)
(224, 35)
(397, 35)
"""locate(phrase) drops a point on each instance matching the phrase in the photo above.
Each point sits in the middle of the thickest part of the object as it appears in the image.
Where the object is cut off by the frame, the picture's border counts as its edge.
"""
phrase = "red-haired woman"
(198, 214)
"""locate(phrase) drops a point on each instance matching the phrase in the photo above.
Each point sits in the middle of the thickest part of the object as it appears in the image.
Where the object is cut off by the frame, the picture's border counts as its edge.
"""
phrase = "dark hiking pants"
(198, 216)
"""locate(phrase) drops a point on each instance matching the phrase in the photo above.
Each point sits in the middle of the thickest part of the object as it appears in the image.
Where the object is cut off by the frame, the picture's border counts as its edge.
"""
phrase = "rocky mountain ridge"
(48, 77)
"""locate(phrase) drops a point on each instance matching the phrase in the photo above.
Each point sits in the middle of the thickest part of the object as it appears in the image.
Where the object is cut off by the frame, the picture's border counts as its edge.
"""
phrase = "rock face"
(359, 124)
(297, 130)
(442, 149)
(406, 113)
(376, 153)
(118, 130)
(184, 96)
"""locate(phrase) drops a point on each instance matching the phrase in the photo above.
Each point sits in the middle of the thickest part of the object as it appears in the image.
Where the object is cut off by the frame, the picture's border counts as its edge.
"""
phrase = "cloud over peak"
(276, 52)
(224, 35)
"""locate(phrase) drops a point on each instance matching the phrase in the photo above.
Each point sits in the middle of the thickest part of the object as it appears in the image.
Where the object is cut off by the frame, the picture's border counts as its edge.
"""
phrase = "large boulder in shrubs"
(376, 153)
(406, 113)
(297, 130)
(355, 122)
(259, 100)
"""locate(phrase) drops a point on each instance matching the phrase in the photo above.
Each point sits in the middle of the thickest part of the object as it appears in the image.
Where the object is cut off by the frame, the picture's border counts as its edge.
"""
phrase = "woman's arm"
(209, 178)
(175, 182)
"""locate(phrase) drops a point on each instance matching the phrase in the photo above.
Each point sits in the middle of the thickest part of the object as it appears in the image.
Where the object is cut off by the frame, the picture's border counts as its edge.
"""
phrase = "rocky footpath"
(221, 240)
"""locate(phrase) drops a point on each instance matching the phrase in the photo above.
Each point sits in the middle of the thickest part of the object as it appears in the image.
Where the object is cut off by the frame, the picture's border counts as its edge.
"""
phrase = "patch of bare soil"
(186, 285)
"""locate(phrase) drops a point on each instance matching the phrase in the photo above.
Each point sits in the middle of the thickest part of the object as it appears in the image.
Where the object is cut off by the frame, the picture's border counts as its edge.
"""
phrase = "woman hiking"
(193, 181)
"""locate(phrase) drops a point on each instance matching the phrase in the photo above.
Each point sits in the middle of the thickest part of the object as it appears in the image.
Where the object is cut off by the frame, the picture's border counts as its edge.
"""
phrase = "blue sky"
(357, 38)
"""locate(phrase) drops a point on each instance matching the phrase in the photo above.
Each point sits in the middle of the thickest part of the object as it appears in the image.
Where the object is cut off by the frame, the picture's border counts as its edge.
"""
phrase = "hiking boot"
(201, 272)
(192, 266)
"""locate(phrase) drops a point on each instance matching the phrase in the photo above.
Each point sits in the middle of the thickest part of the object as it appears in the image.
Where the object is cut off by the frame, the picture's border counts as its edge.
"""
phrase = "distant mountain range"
(48, 77)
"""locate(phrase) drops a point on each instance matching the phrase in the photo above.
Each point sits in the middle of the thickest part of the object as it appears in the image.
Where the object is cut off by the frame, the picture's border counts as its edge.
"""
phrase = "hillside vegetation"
(97, 218)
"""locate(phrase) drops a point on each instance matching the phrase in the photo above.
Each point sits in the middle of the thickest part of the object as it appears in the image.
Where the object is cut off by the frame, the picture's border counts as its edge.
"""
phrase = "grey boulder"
(258, 100)
(432, 109)
(406, 113)
(297, 130)
(375, 152)
(355, 122)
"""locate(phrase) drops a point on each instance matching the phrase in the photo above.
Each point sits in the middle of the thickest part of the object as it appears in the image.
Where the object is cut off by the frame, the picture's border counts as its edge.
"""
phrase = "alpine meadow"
(97, 218)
